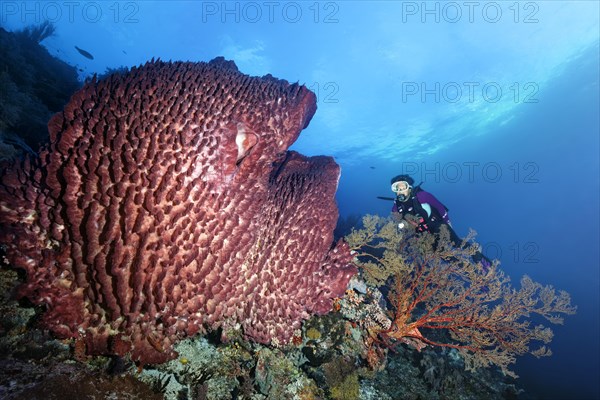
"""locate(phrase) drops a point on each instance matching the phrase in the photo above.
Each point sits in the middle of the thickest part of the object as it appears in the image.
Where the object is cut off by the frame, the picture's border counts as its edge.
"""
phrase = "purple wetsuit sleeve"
(426, 197)
(394, 208)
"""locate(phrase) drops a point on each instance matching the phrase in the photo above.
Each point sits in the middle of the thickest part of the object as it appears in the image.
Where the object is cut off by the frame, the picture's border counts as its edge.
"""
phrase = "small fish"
(372, 167)
(124, 52)
(84, 53)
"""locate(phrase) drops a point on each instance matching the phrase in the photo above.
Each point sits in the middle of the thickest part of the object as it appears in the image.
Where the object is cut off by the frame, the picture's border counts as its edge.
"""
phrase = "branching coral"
(38, 33)
(377, 244)
(439, 288)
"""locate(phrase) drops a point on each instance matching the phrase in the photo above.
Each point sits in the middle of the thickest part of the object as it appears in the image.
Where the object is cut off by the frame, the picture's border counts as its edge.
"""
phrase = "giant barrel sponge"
(167, 204)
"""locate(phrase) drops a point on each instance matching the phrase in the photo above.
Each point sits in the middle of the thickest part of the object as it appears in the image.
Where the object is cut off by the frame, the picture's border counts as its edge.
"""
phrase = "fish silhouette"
(85, 53)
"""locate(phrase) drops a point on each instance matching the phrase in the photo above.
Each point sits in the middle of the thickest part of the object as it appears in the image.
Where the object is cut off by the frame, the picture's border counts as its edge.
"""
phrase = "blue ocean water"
(522, 170)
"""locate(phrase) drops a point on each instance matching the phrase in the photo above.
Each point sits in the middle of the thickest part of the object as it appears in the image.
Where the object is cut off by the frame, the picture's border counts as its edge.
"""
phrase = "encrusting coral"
(436, 287)
(167, 203)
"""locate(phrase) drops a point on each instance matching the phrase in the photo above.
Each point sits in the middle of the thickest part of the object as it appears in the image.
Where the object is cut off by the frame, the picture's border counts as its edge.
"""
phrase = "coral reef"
(330, 364)
(58, 381)
(278, 377)
(190, 215)
(33, 85)
(167, 203)
(435, 373)
(436, 287)
(202, 370)
(342, 379)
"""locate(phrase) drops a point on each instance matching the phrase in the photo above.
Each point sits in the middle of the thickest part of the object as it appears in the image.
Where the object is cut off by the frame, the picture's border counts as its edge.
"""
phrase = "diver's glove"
(422, 227)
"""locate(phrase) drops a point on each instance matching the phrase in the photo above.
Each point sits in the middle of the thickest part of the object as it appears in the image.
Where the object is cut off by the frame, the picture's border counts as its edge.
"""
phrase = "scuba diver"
(431, 213)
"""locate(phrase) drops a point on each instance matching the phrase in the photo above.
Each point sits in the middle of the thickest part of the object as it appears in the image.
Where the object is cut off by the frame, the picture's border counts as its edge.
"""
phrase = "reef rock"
(167, 204)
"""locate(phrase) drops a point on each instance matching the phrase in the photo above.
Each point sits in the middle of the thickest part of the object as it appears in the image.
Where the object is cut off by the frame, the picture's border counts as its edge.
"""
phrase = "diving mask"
(402, 189)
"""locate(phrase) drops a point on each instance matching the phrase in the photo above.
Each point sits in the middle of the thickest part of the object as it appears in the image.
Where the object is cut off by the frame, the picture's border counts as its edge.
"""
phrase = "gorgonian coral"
(436, 288)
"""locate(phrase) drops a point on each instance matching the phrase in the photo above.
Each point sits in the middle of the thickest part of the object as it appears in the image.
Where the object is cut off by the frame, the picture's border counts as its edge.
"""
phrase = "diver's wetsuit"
(433, 214)
(431, 211)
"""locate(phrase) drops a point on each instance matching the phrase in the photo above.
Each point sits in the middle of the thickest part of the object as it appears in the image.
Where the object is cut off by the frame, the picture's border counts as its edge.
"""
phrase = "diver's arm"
(426, 197)
(396, 216)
